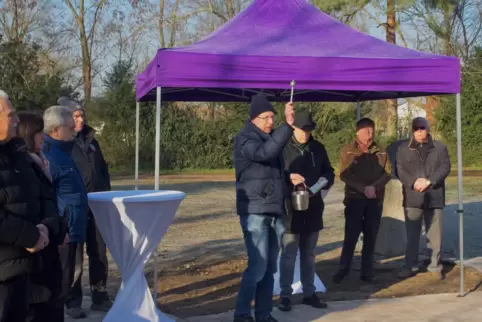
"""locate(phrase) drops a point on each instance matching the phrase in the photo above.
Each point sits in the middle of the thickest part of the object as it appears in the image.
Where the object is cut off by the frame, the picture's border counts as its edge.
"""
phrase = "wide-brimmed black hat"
(304, 121)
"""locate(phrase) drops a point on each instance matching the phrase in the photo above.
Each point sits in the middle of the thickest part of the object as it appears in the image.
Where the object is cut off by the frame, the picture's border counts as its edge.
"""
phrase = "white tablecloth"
(296, 286)
(132, 224)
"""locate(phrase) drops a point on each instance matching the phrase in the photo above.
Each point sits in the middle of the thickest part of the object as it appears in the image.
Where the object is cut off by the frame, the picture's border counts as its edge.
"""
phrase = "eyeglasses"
(419, 128)
(265, 118)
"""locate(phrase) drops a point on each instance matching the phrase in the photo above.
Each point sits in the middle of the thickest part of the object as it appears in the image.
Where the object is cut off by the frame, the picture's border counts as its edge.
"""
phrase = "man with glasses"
(422, 166)
(260, 193)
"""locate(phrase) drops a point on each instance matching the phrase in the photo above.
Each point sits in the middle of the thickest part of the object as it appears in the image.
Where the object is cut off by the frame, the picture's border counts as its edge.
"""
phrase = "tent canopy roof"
(273, 42)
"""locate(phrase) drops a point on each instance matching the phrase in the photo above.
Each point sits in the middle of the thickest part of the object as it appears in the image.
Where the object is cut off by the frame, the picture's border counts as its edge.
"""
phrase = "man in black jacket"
(423, 164)
(305, 159)
(260, 193)
(25, 225)
(90, 161)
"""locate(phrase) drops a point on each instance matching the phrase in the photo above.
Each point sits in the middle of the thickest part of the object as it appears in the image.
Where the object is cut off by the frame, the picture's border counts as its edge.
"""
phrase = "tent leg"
(136, 176)
(158, 139)
(460, 209)
(358, 116)
(156, 174)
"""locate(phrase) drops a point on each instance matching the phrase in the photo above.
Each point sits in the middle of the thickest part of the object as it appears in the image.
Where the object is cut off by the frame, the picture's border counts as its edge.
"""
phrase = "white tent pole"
(158, 139)
(460, 209)
(156, 173)
(136, 176)
(358, 116)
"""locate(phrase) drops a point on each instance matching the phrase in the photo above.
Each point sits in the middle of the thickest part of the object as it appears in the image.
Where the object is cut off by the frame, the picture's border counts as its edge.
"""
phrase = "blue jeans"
(262, 237)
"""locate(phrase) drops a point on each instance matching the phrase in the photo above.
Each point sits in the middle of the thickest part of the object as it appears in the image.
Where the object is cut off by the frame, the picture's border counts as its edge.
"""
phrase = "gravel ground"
(206, 224)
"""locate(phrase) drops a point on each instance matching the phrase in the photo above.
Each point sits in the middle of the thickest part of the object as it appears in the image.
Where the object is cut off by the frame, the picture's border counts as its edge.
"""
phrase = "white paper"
(320, 184)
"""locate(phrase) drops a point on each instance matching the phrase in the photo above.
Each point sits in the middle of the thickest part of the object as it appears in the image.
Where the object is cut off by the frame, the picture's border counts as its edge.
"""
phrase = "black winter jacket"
(90, 161)
(23, 205)
(258, 162)
(411, 166)
(312, 163)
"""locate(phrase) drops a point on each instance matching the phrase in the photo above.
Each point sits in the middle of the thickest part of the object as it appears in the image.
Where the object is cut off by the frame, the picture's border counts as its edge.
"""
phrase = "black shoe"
(442, 276)
(368, 279)
(248, 318)
(315, 302)
(268, 319)
(284, 304)
(338, 277)
(103, 306)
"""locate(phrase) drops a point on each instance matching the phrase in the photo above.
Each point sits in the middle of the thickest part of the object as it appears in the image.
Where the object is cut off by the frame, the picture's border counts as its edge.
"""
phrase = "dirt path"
(202, 256)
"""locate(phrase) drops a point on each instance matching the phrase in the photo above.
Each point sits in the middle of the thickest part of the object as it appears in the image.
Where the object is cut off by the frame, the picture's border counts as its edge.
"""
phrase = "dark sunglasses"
(419, 128)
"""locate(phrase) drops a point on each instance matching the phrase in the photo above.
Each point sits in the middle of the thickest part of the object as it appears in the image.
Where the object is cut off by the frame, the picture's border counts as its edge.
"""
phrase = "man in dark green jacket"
(423, 164)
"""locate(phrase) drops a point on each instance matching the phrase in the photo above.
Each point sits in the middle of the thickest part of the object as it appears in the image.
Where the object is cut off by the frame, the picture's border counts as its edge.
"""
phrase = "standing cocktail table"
(132, 224)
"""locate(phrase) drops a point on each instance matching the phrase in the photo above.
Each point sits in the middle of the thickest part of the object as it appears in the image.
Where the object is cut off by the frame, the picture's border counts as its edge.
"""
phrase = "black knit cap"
(259, 104)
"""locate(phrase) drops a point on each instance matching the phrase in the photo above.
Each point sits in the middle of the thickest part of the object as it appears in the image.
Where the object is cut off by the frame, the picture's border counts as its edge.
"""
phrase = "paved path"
(425, 308)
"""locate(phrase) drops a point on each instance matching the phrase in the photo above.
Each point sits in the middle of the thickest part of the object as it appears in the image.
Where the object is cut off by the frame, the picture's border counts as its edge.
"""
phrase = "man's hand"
(296, 179)
(42, 242)
(289, 114)
(370, 192)
(421, 185)
(43, 229)
(66, 239)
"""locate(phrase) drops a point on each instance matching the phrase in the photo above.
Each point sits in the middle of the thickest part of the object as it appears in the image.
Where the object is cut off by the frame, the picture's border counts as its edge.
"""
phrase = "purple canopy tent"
(273, 42)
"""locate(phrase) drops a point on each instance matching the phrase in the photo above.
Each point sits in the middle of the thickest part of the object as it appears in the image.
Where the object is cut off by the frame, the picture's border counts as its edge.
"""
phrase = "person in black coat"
(90, 161)
(46, 303)
(423, 164)
(29, 223)
(306, 164)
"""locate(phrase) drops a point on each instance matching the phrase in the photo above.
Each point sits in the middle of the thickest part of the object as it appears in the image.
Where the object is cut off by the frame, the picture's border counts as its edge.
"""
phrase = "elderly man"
(260, 193)
(71, 194)
(422, 166)
(365, 170)
(306, 164)
(90, 161)
(23, 231)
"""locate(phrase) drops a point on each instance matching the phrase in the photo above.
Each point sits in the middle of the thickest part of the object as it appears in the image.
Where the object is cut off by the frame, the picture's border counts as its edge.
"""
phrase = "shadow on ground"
(472, 229)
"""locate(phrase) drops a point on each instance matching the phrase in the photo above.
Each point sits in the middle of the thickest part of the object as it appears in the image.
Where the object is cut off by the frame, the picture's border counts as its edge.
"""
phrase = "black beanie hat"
(259, 104)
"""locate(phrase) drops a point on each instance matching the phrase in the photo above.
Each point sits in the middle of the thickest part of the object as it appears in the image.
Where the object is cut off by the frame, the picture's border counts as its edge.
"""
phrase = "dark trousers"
(52, 311)
(306, 244)
(14, 300)
(361, 216)
(98, 267)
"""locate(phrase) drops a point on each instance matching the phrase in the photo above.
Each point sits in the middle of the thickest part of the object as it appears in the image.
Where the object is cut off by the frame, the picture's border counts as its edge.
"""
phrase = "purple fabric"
(275, 41)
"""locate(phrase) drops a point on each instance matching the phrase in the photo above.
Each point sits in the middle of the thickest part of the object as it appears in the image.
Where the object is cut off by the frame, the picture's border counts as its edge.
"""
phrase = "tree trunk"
(448, 30)
(391, 239)
(392, 105)
(162, 41)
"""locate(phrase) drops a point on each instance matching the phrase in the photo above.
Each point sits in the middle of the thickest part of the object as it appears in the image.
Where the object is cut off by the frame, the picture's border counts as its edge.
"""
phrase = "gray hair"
(56, 116)
(3, 95)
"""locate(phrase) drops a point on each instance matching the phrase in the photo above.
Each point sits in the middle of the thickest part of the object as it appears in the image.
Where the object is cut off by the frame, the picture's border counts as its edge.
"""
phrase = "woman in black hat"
(306, 164)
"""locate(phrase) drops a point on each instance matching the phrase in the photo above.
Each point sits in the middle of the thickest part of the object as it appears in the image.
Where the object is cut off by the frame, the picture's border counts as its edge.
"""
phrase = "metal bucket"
(300, 200)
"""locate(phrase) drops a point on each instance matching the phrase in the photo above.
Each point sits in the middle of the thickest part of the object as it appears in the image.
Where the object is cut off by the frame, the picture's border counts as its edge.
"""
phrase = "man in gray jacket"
(423, 164)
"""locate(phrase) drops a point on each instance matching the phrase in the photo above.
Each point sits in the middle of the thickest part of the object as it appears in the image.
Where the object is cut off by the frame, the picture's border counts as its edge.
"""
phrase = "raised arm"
(263, 151)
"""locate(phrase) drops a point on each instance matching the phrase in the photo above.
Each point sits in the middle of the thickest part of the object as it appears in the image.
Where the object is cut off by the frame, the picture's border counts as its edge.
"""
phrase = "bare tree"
(19, 18)
(87, 18)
